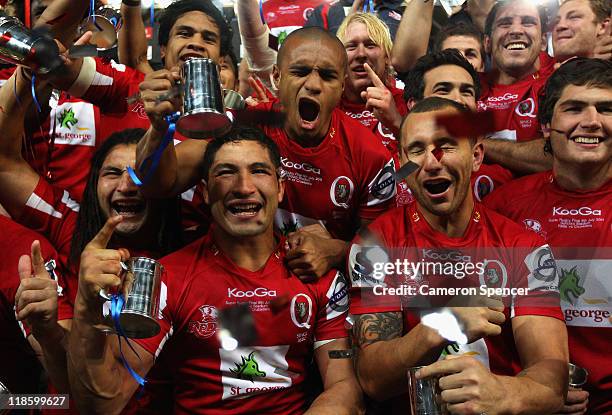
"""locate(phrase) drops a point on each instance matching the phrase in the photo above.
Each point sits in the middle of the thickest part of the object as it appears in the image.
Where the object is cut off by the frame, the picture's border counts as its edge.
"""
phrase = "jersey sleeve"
(334, 305)
(536, 270)
(106, 84)
(365, 261)
(51, 212)
(377, 177)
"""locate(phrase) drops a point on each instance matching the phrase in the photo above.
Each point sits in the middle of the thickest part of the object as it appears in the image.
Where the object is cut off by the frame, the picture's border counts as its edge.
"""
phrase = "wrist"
(48, 336)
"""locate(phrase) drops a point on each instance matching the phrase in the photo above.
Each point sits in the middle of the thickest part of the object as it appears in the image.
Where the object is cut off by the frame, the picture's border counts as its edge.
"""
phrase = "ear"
(162, 52)
(487, 44)
(276, 76)
(544, 43)
(410, 103)
(546, 131)
(281, 189)
(603, 27)
(205, 192)
(478, 154)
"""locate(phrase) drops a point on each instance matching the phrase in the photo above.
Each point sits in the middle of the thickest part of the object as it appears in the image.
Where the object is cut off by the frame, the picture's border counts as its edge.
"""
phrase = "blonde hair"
(377, 30)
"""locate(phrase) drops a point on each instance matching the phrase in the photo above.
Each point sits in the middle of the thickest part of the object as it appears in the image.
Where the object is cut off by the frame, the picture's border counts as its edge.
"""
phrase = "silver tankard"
(104, 25)
(424, 394)
(141, 287)
(203, 100)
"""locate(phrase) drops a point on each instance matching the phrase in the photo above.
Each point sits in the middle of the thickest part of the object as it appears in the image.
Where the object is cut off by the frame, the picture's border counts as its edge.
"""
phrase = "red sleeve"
(51, 212)
(377, 177)
(537, 271)
(366, 279)
(334, 305)
(112, 84)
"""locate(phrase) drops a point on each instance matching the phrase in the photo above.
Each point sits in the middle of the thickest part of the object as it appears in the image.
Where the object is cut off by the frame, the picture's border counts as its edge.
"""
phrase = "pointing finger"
(375, 79)
(105, 234)
(38, 262)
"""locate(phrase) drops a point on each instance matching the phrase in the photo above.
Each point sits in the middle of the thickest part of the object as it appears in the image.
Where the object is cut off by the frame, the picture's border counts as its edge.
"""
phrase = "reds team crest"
(207, 325)
(341, 191)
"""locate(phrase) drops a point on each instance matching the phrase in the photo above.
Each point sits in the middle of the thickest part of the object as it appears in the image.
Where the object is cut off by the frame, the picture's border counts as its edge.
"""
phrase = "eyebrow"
(576, 102)
(192, 29)
(231, 166)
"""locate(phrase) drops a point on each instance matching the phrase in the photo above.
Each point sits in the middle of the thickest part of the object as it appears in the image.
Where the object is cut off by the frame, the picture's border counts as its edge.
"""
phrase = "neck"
(352, 95)
(511, 77)
(251, 252)
(305, 141)
(580, 177)
(137, 242)
(455, 224)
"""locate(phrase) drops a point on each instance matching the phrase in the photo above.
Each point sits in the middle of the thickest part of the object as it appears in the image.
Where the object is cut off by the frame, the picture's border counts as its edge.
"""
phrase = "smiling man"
(570, 207)
(579, 26)
(501, 367)
(370, 95)
(338, 175)
(239, 263)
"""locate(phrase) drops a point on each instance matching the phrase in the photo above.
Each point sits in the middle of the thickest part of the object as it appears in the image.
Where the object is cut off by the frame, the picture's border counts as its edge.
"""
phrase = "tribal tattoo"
(371, 328)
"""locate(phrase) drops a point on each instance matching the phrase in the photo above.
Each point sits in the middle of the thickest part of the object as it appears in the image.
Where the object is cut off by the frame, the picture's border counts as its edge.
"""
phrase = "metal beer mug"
(203, 100)
(104, 25)
(577, 376)
(424, 394)
(22, 46)
(142, 286)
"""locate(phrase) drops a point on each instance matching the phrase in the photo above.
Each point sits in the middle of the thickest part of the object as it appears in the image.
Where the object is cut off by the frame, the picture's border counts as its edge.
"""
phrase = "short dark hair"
(577, 71)
(91, 219)
(459, 29)
(234, 61)
(501, 4)
(431, 104)
(237, 134)
(175, 10)
(414, 81)
(310, 32)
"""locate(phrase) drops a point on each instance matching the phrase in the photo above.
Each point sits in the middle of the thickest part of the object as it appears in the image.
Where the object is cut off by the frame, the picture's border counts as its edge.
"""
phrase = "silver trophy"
(31, 48)
(424, 394)
(577, 376)
(141, 288)
(104, 25)
(203, 100)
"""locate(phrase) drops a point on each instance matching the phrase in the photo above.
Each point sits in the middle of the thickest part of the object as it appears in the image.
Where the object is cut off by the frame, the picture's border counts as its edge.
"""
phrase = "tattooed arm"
(383, 355)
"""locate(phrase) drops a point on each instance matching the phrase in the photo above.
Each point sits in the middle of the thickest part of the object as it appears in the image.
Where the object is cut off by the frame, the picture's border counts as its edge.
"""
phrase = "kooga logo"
(257, 292)
(582, 211)
(299, 166)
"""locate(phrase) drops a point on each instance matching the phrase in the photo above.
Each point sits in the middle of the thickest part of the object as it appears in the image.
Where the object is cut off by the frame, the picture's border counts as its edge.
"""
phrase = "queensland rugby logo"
(535, 226)
(207, 325)
(301, 310)
(526, 108)
(341, 191)
(483, 185)
(494, 275)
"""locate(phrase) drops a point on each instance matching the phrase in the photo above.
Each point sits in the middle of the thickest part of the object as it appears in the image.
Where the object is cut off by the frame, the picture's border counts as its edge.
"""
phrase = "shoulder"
(188, 261)
(518, 191)
(357, 138)
(509, 232)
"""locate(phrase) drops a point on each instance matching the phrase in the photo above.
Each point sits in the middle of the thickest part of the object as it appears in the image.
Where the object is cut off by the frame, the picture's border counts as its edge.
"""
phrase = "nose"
(591, 120)
(126, 185)
(360, 51)
(456, 96)
(313, 83)
(516, 27)
(244, 185)
(430, 162)
(197, 45)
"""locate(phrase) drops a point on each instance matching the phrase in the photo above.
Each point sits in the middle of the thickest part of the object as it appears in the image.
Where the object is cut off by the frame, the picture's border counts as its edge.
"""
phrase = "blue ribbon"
(152, 15)
(117, 303)
(34, 93)
(153, 160)
(368, 4)
(15, 92)
(261, 14)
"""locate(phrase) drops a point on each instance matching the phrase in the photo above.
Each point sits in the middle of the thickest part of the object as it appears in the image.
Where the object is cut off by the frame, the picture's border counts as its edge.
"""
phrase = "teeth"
(586, 140)
(250, 208)
(516, 46)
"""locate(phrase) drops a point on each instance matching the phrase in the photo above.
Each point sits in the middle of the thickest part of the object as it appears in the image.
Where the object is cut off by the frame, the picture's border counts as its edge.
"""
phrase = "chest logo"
(207, 325)
(341, 191)
(248, 369)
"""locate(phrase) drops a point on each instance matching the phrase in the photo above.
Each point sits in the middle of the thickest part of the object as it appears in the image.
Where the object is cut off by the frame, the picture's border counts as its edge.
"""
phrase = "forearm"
(382, 366)
(53, 345)
(336, 250)
(132, 44)
(95, 375)
(15, 98)
(412, 35)
(537, 390)
(342, 398)
(521, 158)
(249, 19)
(161, 183)
(62, 17)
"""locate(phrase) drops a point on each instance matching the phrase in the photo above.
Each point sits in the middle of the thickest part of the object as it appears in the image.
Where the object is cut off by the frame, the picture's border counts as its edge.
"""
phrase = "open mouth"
(244, 209)
(309, 109)
(437, 187)
(359, 69)
(586, 140)
(127, 209)
(516, 46)
(187, 56)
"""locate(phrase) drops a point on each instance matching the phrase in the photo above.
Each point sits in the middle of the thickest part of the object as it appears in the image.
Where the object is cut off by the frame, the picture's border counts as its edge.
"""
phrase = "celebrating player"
(502, 366)
(570, 207)
(240, 262)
